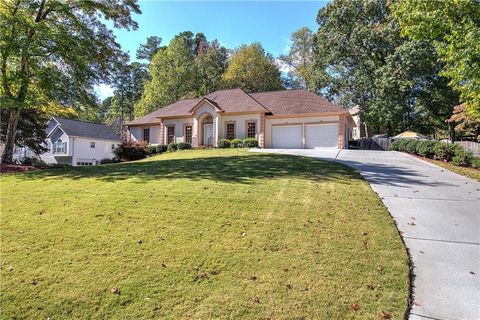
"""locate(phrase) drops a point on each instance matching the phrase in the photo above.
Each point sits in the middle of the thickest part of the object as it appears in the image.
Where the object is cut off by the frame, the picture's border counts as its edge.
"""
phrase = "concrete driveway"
(438, 215)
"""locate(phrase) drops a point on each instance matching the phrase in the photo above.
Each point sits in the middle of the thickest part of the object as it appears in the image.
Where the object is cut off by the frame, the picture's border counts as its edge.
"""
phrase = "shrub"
(426, 148)
(411, 146)
(129, 150)
(152, 149)
(184, 146)
(394, 146)
(107, 161)
(446, 151)
(224, 143)
(250, 143)
(161, 148)
(34, 162)
(236, 143)
(400, 145)
(463, 158)
(475, 163)
(172, 147)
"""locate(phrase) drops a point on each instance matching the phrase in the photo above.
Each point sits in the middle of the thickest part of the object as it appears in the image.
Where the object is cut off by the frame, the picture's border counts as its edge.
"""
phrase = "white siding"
(84, 153)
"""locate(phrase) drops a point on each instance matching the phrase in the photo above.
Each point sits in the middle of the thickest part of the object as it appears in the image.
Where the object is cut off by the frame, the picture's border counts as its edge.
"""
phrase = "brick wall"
(341, 132)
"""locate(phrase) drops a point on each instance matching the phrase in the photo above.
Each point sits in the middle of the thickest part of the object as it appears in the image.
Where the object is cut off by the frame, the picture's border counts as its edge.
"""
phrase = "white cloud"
(104, 91)
(283, 67)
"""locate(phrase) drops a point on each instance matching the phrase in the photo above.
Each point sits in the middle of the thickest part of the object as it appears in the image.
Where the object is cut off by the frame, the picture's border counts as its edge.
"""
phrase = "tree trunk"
(7, 156)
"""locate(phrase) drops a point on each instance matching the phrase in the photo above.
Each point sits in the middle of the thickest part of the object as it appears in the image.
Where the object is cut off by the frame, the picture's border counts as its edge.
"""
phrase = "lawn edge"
(411, 274)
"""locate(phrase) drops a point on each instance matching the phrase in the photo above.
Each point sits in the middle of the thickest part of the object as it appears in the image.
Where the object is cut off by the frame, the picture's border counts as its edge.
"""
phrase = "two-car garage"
(304, 135)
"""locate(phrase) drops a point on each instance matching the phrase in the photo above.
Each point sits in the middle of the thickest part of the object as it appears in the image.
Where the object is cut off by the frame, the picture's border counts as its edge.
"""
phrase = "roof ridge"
(280, 90)
(248, 94)
(83, 121)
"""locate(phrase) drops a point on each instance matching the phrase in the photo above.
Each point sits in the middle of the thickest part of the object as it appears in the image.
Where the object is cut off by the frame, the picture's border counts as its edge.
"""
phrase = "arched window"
(59, 146)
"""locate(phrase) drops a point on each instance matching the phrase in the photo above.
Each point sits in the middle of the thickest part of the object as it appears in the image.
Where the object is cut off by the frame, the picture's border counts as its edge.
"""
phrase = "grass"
(469, 172)
(203, 234)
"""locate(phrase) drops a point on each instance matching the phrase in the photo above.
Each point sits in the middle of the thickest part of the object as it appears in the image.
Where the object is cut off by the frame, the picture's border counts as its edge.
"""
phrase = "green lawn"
(205, 234)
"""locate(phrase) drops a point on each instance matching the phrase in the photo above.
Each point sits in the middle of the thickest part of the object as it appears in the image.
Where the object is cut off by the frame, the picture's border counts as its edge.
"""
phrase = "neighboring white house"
(78, 143)
(278, 119)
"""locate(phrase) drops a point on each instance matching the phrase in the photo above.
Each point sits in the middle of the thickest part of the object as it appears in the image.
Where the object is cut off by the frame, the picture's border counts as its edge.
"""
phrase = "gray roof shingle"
(84, 129)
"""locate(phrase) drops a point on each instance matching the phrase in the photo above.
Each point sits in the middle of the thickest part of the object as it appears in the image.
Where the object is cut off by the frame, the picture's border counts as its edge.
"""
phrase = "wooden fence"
(470, 146)
(370, 144)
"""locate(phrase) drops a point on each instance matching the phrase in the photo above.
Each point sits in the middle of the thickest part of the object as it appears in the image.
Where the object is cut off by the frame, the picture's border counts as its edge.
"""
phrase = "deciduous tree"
(454, 28)
(56, 51)
(252, 70)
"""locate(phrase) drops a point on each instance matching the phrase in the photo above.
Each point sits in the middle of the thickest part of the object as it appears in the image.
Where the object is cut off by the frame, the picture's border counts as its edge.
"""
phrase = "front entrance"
(208, 134)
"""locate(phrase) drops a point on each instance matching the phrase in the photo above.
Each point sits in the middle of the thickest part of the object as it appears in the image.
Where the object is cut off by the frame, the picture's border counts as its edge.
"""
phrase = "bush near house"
(184, 146)
(237, 143)
(152, 149)
(172, 147)
(224, 143)
(161, 148)
(250, 143)
(108, 160)
(442, 151)
(129, 151)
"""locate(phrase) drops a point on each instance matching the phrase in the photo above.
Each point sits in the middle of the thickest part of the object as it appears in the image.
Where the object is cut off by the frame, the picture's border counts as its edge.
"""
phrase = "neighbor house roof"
(76, 128)
(355, 110)
(281, 102)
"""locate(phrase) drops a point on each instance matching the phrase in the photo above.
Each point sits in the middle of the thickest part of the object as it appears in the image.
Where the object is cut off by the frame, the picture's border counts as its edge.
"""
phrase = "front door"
(208, 134)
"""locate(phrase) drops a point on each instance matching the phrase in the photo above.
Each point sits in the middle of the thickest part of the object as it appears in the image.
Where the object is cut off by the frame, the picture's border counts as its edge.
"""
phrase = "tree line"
(405, 63)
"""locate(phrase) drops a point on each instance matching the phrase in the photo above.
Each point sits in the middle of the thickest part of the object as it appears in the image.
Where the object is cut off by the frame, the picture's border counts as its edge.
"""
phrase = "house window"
(188, 134)
(170, 134)
(251, 129)
(230, 131)
(82, 163)
(92, 144)
(146, 135)
(59, 146)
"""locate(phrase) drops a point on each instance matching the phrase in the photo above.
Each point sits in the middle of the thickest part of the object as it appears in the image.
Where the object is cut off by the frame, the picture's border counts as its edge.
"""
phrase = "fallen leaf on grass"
(385, 315)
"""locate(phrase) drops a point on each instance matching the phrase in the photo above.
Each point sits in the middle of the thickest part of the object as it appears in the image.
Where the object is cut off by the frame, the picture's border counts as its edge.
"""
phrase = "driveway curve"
(438, 215)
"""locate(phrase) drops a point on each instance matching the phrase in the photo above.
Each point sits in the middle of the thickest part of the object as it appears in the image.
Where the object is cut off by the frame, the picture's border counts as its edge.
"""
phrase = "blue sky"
(232, 23)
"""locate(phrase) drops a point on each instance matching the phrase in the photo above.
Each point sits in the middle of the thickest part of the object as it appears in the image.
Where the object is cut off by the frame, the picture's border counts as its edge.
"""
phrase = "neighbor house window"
(230, 131)
(146, 135)
(59, 146)
(92, 145)
(188, 134)
(251, 129)
(170, 134)
(82, 163)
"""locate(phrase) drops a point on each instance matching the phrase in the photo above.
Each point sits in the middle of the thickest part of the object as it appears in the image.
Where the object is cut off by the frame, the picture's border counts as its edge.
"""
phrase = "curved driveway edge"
(438, 214)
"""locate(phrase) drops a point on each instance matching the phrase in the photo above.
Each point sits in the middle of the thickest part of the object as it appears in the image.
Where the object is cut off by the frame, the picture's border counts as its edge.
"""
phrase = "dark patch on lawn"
(238, 169)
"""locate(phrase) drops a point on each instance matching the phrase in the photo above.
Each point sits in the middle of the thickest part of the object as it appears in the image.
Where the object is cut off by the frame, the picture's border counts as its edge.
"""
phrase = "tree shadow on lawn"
(238, 169)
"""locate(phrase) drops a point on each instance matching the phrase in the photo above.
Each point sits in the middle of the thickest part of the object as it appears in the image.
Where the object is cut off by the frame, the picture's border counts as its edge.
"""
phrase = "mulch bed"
(12, 168)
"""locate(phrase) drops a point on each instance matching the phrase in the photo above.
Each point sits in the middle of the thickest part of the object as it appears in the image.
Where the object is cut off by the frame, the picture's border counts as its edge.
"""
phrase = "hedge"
(443, 151)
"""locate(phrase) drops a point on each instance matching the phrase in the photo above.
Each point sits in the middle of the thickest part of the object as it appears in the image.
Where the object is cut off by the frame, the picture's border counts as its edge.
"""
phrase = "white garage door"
(287, 137)
(321, 136)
